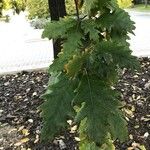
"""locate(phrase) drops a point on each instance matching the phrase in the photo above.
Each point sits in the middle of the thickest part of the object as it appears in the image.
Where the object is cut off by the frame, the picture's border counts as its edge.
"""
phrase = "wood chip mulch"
(20, 122)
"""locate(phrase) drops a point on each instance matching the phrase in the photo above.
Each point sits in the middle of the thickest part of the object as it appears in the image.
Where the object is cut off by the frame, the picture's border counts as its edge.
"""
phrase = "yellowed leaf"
(128, 112)
(142, 147)
(24, 140)
(18, 144)
(25, 132)
(130, 148)
(77, 139)
(131, 136)
(133, 108)
(136, 127)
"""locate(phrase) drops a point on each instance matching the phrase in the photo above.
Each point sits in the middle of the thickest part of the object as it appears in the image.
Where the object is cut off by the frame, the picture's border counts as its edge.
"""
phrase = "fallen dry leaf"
(25, 132)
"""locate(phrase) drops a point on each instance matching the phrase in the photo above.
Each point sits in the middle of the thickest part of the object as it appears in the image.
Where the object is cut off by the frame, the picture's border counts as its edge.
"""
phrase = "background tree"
(16, 5)
(1, 7)
(57, 9)
(146, 3)
(125, 3)
(38, 8)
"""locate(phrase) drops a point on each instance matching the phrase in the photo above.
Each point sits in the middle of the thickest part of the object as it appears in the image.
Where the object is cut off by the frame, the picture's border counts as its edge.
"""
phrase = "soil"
(20, 122)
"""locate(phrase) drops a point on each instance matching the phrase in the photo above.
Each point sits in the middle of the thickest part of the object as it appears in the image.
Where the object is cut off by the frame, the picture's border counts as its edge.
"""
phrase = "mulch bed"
(20, 124)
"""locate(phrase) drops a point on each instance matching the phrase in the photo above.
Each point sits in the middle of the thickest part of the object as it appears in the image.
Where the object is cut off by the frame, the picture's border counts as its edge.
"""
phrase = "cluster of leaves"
(19, 5)
(39, 8)
(94, 48)
(16, 5)
(125, 3)
(7, 4)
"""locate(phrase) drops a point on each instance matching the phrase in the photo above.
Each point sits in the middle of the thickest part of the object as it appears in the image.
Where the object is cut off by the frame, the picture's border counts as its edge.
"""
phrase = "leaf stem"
(77, 10)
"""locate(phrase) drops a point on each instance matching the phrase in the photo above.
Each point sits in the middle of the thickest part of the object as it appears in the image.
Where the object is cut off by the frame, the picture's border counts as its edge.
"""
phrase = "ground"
(141, 8)
(20, 117)
(140, 42)
(21, 46)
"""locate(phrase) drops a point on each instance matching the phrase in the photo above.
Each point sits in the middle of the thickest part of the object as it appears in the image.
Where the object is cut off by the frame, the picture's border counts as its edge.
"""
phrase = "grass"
(2, 18)
(140, 7)
(5, 18)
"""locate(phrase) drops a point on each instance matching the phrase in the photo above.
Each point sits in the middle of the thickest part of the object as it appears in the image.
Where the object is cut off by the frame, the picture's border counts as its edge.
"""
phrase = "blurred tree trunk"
(1, 7)
(57, 9)
(146, 3)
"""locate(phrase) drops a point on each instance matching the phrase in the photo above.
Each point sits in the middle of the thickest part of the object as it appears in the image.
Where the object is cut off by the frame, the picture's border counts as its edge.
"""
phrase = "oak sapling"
(94, 48)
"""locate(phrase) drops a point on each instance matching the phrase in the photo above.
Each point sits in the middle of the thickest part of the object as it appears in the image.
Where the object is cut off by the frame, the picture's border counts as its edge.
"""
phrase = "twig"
(77, 9)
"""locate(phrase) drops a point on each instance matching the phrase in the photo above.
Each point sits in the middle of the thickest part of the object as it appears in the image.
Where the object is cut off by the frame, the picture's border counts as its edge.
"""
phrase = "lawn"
(140, 7)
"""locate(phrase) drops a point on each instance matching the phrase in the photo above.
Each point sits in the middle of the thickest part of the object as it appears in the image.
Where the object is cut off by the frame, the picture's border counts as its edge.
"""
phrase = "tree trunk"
(57, 9)
(146, 3)
(1, 7)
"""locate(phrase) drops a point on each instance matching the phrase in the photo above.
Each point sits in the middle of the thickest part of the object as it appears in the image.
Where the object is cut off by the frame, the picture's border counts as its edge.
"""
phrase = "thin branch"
(77, 9)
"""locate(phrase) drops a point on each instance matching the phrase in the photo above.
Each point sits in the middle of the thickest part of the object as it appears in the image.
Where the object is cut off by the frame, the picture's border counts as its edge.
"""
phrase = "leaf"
(57, 29)
(70, 48)
(57, 108)
(25, 132)
(75, 65)
(113, 21)
(100, 111)
(24, 140)
(119, 55)
(142, 147)
(118, 126)
(108, 146)
(87, 145)
(90, 27)
(89, 4)
(95, 5)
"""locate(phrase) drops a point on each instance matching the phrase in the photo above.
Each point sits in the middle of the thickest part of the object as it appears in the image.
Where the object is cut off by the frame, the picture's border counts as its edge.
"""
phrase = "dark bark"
(57, 9)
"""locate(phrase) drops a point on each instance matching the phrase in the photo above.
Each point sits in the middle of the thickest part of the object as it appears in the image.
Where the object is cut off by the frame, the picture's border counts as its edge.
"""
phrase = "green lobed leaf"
(76, 65)
(71, 47)
(90, 27)
(57, 29)
(118, 126)
(100, 106)
(118, 21)
(119, 55)
(92, 6)
(57, 107)
(87, 145)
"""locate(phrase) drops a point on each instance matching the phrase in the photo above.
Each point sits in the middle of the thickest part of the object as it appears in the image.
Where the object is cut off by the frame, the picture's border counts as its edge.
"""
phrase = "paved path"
(140, 43)
(21, 46)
